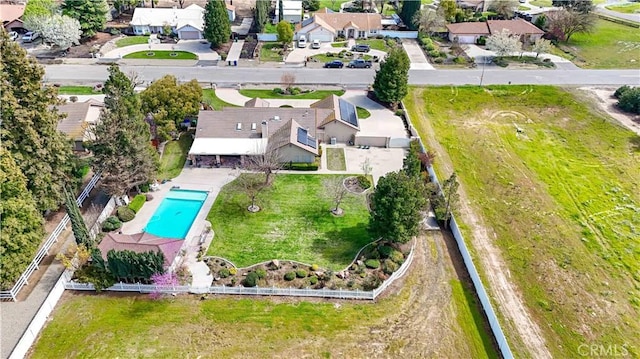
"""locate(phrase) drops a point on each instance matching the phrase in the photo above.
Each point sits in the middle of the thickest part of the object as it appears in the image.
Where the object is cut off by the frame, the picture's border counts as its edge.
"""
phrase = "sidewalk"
(416, 55)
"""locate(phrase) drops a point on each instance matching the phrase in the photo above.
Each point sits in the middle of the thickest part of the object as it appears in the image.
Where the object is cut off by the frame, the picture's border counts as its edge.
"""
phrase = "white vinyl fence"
(44, 250)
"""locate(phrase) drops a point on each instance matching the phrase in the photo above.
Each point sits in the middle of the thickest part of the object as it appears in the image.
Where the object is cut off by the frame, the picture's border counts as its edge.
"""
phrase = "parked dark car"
(335, 64)
(359, 64)
(361, 48)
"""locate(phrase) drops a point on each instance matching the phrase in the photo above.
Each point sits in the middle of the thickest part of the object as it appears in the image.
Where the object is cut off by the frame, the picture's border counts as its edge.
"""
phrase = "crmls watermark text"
(602, 350)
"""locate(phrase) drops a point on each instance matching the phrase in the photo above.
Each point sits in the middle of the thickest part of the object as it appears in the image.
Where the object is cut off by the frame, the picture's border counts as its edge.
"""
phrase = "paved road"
(631, 17)
(348, 77)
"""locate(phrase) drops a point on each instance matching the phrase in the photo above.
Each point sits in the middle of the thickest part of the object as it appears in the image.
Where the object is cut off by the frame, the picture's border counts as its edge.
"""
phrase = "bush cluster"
(396, 256)
(251, 280)
(628, 99)
(385, 251)
(389, 267)
(289, 276)
(224, 273)
(314, 267)
(364, 181)
(145, 187)
(372, 263)
(111, 224)
(125, 214)
(301, 273)
(313, 280)
(137, 202)
(233, 271)
(261, 273)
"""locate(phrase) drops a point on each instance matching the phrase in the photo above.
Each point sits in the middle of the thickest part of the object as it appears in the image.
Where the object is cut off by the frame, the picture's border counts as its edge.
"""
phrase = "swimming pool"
(176, 213)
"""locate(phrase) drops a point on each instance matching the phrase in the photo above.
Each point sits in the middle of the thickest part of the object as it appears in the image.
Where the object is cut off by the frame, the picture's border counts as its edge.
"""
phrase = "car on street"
(359, 64)
(361, 48)
(13, 35)
(315, 44)
(30, 36)
(335, 64)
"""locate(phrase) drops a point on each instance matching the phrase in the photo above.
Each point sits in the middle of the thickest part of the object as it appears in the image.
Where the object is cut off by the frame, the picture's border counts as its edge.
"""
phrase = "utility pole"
(484, 60)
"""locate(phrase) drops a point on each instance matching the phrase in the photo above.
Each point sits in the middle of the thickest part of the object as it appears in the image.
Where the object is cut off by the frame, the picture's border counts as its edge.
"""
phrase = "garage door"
(323, 37)
(189, 35)
(466, 39)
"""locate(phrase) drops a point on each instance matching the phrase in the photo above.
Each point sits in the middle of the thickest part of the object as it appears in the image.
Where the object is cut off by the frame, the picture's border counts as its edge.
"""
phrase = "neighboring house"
(326, 26)
(187, 23)
(231, 11)
(291, 10)
(141, 243)
(80, 117)
(229, 135)
(469, 32)
(12, 17)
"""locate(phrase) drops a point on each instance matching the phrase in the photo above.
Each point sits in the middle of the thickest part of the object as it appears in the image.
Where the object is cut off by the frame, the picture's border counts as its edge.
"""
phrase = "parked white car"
(30, 36)
(13, 35)
(315, 44)
(302, 41)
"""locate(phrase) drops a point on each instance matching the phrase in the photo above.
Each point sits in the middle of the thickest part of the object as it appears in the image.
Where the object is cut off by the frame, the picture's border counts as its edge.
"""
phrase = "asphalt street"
(226, 76)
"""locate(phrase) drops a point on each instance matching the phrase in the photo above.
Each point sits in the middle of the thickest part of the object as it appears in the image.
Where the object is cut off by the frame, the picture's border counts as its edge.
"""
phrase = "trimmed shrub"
(434, 53)
(301, 273)
(289, 276)
(399, 113)
(385, 251)
(111, 224)
(301, 166)
(442, 54)
(294, 91)
(372, 263)
(233, 271)
(371, 253)
(364, 181)
(278, 90)
(621, 90)
(137, 202)
(389, 267)
(459, 60)
(261, 273)
(125, 214)
(429, 47)
(630, 100)
(439, 60)
(251, 280)
(313, 280)
(396, 256)
(145, 187)
(314, 267)
(371, 283)
(224, 273)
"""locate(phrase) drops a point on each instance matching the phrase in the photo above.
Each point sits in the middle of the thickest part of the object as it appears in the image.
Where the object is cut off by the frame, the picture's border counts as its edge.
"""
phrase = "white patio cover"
(228, 146)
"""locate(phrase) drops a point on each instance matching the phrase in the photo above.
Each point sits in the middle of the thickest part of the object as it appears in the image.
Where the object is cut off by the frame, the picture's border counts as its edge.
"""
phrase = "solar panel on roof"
(304, 138)
(348, 112)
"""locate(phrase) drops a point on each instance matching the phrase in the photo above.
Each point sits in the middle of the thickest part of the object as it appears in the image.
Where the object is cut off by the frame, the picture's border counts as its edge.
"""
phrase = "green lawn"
(162, 55)
(209, 97)
(174, 156)
(336, 160)
(541, 3)
(270, 52)
(267, 94)
(611, 46)
(523, 8)
(562, 198)
(332, 4)
(363, 113)
(339, 44)
(628, 8)
(376, 44)
(294, 223)
(388, 10)
(132, 40)
(77, 90)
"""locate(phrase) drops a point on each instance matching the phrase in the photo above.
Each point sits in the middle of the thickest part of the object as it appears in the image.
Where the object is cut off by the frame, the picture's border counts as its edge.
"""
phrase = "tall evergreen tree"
(122, 148)
(409, 12)
(261, 14)
(28, 125)
(80, 231)
(391, 81)
(280, 11)
(92, 14)
(217, 29)
(21, 227)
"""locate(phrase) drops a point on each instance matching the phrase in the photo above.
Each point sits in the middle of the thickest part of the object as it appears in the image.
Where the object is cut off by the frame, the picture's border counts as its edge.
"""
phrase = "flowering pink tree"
(163, 280)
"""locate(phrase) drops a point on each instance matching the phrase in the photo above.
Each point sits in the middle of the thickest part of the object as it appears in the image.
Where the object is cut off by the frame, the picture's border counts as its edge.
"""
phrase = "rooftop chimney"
(265, 129)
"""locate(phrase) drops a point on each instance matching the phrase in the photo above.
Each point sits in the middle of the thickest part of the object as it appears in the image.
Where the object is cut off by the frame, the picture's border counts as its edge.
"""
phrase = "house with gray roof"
(295, 133)
(80, 116)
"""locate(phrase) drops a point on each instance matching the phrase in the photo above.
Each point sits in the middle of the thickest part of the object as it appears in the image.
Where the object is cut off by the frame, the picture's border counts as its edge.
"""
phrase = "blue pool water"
(176, 213)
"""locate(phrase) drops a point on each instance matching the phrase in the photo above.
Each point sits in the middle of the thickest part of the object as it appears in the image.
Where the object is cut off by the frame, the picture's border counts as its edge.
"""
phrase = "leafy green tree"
(630, 100)
(311, 5)
(28, 125)
(285, 33)
(121, 147)
(581, 6)
(92, 14)
(80, 231)
(448, 8)
(20, 222)
(391, 82)
(217, 29)
(39, 8)
(409, 11)
(397, 203)
(170, 103)
(261, 14)
(411, 164)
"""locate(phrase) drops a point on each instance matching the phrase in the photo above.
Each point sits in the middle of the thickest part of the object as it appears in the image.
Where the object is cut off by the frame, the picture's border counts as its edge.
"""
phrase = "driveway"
(298, 55)
(199, 47)
(416, 55)
(382, 123)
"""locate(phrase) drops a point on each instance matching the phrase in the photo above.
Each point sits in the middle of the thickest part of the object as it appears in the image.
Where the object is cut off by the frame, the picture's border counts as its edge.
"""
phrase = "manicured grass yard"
(77, 90)
(541, 3)
(332, 4)
(363, 113)
(336, 160)
(376, 44)
(162, 55)
(628, 8)
(339, 44)
(174, 156)
(267, 94)
(294, 223)
(611, 46)
(562, 198)
(270, 51)
(209, 97)
(132, 40)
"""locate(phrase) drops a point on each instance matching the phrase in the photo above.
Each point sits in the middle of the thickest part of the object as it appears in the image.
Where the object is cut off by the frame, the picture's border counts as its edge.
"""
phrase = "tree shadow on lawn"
(341, 245)
(140, 307)
(635, 143)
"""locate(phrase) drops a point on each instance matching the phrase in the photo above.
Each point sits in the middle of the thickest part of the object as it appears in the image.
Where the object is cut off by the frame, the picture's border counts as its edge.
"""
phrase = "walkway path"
(234, 97)
(198, 47)
(416, 55)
